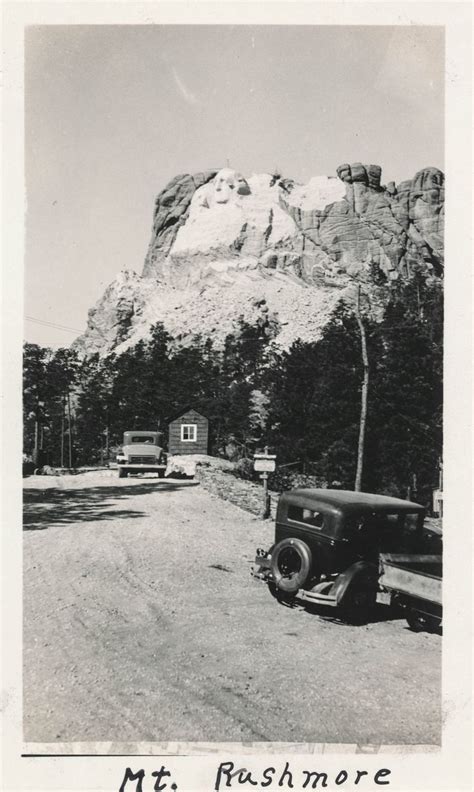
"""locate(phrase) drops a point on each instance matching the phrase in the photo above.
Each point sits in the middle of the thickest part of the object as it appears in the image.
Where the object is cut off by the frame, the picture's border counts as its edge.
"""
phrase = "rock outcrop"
(224, 246)
(171, 210)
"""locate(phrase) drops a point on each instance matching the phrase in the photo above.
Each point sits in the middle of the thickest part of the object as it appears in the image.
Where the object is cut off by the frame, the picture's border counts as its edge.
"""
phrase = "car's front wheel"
(123, 473)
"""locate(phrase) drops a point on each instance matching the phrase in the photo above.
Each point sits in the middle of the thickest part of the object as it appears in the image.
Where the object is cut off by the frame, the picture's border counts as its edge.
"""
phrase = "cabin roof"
(184, 410)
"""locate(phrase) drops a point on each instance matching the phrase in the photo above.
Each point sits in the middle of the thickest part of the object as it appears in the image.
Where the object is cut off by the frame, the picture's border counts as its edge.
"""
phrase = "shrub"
(244, 469)
(282, 480)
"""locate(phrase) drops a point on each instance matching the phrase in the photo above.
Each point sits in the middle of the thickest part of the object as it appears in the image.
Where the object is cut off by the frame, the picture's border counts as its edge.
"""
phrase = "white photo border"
(412, 767)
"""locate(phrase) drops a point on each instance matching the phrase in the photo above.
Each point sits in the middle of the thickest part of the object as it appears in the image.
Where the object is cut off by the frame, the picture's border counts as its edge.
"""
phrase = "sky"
(112, 113)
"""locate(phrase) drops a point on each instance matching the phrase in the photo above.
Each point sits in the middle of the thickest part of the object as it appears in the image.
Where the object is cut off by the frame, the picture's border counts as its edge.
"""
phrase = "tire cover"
(298, 579)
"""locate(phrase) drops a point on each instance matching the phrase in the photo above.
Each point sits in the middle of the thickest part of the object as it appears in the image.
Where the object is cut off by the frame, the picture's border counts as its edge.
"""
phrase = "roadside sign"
(265, 464)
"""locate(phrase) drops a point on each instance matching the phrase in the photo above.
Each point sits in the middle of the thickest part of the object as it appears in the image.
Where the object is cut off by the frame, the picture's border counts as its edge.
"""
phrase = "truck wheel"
(123, 473)
(419, 622)
(161, 474)
(290, 565)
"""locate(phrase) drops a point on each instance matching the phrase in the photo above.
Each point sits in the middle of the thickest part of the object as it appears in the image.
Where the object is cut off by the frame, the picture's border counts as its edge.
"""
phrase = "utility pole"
(365, 389)
(62, 429)
(37, 451)
(69, 426)
(36, 446)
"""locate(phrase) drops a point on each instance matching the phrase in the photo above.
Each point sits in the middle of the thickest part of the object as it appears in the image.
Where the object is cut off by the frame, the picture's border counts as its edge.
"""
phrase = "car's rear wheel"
(290, 565)
(359, 605)
(282, 597)
(123, 473)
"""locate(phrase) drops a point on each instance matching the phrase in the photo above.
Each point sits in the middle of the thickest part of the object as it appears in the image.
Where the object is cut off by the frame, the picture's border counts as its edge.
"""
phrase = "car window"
(387, 531)
(402, 523)
(383, 522)
(303, 515)
(412, 522)
(144, 439)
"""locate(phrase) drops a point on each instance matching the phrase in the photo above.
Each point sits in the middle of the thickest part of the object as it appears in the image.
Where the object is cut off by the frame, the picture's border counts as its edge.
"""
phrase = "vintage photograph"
(233, 386)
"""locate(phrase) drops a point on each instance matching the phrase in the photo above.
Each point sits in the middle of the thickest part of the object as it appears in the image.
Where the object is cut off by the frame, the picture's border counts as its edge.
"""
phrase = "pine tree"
(408, 392)
(34, 393)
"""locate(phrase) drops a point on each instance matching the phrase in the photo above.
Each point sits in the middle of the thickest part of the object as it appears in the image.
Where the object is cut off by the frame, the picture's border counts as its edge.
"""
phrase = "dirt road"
(141, 623)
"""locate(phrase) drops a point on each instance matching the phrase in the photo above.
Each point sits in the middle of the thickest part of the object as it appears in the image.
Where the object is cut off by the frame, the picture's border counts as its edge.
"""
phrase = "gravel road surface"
(142, 623)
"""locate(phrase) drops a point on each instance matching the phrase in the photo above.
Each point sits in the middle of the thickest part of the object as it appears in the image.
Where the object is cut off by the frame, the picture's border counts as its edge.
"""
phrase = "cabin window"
(309, 516)
(188, 433)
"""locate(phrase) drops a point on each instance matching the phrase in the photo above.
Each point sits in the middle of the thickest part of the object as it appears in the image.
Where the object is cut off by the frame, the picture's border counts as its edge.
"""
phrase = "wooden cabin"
(188, 433)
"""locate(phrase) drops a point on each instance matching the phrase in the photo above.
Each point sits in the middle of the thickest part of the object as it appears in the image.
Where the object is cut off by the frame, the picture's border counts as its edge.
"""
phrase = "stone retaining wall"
(247, 495)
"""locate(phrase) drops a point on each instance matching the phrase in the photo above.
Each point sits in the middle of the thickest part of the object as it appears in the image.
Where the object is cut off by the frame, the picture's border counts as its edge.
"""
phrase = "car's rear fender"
(361, 575)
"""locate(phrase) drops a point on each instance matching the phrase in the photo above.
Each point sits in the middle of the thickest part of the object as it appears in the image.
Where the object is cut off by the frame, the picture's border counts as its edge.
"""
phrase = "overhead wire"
(54, 325)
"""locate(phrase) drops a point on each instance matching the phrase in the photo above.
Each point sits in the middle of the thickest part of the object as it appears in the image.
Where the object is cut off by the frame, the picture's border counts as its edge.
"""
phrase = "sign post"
(265, 463)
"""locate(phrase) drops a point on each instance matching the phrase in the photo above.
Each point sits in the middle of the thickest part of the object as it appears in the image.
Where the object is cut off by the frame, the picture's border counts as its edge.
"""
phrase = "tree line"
(304, 402)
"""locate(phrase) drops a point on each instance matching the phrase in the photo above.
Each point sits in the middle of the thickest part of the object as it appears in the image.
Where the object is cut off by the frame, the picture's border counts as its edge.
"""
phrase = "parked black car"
(327, 546)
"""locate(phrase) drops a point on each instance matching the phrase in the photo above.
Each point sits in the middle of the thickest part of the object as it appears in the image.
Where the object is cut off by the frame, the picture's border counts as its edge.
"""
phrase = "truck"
(141, 453)
(413, 582)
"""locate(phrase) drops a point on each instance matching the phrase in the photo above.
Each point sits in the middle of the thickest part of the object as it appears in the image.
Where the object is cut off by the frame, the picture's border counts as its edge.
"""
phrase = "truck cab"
(141, 453)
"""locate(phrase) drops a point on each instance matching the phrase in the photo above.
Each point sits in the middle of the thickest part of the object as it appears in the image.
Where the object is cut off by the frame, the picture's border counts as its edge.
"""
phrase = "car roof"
(133, 433)
(348, 501)
(141, 432)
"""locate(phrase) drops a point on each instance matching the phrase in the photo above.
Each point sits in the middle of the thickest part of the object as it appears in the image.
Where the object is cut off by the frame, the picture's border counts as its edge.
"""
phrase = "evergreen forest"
(303, 402)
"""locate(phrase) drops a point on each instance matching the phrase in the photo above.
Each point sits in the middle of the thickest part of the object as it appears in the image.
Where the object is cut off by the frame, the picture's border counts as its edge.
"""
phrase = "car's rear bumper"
(318, 597)
(259, 573)
(321, 594)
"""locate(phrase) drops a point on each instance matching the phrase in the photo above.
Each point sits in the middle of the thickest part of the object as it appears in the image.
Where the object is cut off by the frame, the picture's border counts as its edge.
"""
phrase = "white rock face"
(229, 206)
(317, 194)
(225, 247)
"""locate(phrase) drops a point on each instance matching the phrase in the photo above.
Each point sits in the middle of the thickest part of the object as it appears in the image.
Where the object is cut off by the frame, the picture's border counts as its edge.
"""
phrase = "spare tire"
(291, 564)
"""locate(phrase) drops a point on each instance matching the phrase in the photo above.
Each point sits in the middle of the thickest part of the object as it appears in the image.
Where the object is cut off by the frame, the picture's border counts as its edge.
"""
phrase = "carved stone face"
(228, 183)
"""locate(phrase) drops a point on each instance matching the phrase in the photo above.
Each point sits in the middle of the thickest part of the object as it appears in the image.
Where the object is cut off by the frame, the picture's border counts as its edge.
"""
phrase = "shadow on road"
(43, 508)
(378, 613)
